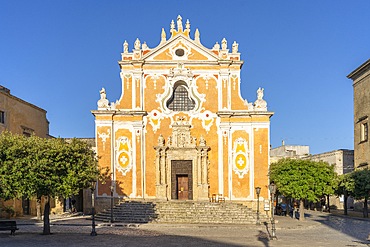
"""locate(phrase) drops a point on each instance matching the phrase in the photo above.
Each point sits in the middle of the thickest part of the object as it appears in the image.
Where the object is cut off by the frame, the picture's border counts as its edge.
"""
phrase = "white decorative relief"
(103, 137)
(154, 117)
(241, 157)
(123, 155)
(233, 78)
(185, 76)
(207, 118)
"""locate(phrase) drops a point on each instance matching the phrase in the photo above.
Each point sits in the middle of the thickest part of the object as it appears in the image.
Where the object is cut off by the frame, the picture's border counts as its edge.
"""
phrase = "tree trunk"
(328, 199)
(38, 208)
(46, 216)
(345, 203)
(365, 212)
(301, 210)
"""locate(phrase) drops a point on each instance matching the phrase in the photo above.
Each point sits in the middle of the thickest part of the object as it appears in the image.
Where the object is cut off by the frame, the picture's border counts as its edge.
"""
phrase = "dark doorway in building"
(181, 179)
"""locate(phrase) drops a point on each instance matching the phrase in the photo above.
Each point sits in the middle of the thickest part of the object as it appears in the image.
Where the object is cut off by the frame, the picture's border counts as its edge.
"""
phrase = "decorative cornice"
(244, 113)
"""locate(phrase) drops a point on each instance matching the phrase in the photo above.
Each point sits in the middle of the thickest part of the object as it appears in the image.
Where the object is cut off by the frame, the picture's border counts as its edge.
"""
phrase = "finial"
(125, 47)
(144, 46)
(216, 46)
(163, 36)
(172, 26)
(187, 25)
(224, 44)
(235, 47)
(197, 35)
(179, 23)
(137, 44)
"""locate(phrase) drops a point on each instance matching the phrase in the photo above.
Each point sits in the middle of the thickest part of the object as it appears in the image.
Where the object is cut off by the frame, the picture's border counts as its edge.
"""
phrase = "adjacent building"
(23, 118)
(361, 103)
(181, 130)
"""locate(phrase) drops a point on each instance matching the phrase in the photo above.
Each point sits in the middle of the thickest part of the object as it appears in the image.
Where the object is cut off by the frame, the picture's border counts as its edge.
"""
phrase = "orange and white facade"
(181, 130)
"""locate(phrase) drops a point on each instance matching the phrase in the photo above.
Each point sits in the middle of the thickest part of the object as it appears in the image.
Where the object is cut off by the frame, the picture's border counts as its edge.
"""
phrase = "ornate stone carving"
(181, 146)
(125, 47)
(260, 104)
(179, 23)
(216, 47)
(241, 157)
(197, 36)
(235, 47)
(137, 44)
(224, 44)
(163, 36)
(103, 137)
(103, 103)
(123, 155)
(187, 25)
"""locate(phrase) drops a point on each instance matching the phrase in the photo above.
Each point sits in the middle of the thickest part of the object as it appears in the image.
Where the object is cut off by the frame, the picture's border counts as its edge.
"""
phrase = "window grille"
(180, 100)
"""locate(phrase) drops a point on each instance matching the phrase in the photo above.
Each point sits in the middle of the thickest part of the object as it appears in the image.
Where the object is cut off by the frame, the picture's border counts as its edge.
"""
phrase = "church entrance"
(182, 187)
(181, 165)
(182, 180)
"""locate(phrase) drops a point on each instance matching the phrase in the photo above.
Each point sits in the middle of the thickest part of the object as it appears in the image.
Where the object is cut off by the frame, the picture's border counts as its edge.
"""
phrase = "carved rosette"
(123, 155)
(240, 157)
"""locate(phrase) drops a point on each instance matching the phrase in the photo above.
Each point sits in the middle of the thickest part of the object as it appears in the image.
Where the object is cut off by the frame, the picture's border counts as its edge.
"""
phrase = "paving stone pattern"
(319, 229)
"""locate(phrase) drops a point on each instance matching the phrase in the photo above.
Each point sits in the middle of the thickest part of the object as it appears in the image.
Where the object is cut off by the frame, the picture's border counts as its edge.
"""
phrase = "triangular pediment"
(180, 48)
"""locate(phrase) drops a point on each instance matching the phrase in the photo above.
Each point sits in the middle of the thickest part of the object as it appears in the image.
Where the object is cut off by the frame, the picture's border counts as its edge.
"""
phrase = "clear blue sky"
(59, 54)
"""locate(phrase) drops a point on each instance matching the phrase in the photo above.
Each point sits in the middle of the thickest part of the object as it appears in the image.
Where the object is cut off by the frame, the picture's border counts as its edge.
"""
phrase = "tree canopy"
(303, 179)
(36, 167)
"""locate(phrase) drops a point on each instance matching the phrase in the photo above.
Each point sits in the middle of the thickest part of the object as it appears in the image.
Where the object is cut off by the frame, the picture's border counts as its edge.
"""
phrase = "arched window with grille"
(180, 100)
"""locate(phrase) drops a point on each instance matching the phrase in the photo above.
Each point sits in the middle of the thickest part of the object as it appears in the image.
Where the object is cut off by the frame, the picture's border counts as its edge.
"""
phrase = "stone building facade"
(23, 118)
(181, 130)
(361, 105)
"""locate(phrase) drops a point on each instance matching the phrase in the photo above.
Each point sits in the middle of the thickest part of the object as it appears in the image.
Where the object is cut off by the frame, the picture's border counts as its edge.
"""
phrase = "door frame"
(184, 168)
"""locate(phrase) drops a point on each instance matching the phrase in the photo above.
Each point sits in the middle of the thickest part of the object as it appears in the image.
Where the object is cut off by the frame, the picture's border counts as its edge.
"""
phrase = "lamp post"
(93, 232)
(272, 188)
(111, 202)
(258, 191)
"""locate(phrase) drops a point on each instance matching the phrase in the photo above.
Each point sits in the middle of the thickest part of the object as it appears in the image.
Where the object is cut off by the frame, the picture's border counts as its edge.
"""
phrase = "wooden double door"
(181, 180)
(182, 187)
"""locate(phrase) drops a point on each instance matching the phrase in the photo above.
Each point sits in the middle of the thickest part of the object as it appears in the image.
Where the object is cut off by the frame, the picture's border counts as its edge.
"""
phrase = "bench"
(8, 225)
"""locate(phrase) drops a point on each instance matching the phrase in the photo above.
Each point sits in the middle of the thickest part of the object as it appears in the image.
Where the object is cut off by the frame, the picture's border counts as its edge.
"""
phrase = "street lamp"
(111, 202)
(258, 191)
(93, 232)
(272, 188)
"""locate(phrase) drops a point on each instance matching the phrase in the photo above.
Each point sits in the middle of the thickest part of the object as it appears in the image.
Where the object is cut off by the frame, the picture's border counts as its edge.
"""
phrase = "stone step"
(180, 212)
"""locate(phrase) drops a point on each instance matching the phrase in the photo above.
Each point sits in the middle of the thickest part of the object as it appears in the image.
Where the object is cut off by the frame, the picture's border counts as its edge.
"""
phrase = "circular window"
(180, 52)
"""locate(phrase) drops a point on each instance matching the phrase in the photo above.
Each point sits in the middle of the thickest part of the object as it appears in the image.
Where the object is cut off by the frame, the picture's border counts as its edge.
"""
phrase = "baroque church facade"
(181, 130)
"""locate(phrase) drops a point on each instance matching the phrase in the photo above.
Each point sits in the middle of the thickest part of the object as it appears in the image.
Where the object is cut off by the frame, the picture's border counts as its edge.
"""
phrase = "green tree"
(345, 185)
(50, 168)
(361, 187)
(303, 180)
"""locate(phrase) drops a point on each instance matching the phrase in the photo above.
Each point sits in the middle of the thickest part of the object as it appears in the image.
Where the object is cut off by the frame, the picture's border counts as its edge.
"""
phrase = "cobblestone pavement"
(319, 229)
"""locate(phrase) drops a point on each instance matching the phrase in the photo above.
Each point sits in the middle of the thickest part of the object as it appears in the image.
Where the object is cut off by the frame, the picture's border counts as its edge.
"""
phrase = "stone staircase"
(187, 212)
